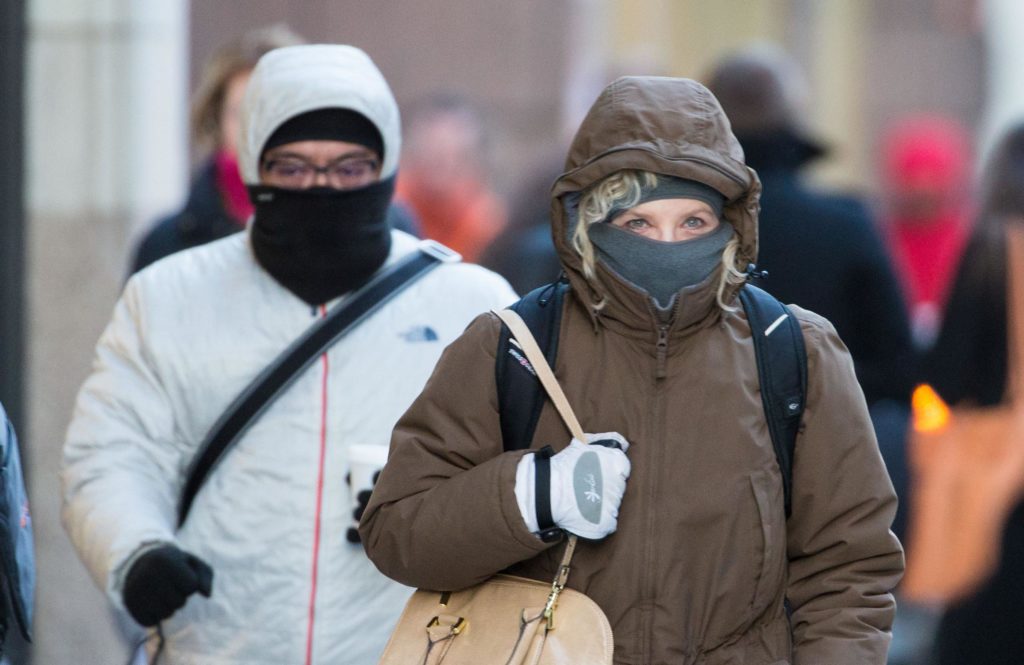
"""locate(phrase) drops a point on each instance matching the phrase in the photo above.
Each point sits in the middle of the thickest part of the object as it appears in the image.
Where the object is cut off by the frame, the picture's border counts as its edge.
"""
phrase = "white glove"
(587, 484)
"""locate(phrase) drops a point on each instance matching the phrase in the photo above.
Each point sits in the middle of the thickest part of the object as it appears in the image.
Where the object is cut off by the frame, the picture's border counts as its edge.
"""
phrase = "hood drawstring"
(753, 273)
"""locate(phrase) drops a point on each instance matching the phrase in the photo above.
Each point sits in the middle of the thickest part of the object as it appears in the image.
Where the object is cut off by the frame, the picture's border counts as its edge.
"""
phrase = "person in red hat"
(927, 161)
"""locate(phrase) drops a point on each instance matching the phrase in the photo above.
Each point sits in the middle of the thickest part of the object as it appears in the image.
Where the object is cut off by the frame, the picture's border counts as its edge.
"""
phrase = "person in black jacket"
(821, 250)
(969, 365)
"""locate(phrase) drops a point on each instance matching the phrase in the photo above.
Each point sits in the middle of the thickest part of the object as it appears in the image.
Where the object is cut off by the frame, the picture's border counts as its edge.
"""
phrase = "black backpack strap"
(782, 370)
(520, 395)
(280, 374)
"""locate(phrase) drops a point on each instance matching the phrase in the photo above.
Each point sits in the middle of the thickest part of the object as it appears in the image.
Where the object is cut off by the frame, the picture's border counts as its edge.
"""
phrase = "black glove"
(161, 580)
(362, 501)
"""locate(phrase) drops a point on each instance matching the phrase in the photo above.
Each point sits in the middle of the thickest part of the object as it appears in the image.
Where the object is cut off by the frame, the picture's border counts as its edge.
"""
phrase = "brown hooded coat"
(704, 556)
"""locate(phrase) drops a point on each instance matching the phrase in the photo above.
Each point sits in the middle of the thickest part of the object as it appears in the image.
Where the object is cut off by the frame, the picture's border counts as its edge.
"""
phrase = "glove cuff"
(526, 490)
(546, 529)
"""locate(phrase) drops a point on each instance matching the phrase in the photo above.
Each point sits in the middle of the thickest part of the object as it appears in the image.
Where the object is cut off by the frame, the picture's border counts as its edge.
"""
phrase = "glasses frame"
(329, 171)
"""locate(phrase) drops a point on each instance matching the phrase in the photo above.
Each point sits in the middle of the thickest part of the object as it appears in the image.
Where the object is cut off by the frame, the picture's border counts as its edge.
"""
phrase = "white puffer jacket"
(188, 334)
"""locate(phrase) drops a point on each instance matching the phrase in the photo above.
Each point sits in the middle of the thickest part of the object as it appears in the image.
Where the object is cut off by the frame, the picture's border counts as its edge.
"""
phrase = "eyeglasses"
(346, 173)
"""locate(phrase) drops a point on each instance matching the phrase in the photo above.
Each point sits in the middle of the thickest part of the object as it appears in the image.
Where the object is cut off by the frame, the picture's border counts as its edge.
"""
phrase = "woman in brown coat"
(690, 555)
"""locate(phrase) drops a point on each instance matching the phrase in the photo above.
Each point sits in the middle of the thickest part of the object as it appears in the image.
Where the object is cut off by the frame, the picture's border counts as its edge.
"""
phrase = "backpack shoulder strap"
(520, 394)
(778, 347)
(782, 371)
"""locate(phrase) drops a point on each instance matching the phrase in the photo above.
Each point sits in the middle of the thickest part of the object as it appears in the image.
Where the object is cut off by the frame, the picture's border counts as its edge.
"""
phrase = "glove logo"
(588, 485)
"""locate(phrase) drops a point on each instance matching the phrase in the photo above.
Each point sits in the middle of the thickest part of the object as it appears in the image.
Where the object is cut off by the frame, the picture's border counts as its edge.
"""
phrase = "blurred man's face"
(334, 164)
(442, 152)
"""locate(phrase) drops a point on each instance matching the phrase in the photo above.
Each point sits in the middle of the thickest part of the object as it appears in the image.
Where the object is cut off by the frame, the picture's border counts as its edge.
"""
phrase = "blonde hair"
(622, 190)
(233, 58)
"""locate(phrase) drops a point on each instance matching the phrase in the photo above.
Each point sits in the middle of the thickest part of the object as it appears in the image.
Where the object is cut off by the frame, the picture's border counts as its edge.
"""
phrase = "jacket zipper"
(319, 504)
(665, 322)
(662, 355)
(649, 580)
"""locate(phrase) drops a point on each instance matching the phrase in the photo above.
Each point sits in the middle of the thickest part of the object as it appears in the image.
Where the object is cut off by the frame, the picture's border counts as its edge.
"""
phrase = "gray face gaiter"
(659, 268)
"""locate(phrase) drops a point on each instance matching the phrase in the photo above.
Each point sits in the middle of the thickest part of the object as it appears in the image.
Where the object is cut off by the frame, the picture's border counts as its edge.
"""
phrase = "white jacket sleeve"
(122, 466)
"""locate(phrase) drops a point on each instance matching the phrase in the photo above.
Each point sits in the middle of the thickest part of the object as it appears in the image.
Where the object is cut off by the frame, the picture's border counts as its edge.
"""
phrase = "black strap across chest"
(282, 372)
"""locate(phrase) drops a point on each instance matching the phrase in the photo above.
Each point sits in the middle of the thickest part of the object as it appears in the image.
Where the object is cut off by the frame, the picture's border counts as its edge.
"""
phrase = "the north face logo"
(419, 334)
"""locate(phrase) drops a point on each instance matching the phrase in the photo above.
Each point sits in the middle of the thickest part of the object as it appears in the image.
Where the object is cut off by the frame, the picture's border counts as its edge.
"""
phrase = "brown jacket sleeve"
(443, 514)
(843, 559)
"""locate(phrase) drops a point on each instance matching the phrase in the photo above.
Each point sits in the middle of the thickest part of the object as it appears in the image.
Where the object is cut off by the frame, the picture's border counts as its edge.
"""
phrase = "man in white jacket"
(261, 572)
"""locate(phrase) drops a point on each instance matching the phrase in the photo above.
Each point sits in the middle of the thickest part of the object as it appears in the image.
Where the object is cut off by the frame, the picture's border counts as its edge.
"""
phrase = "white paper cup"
(364, 460)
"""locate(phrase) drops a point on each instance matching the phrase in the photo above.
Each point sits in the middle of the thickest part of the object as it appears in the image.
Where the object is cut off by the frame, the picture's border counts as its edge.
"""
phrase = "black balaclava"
(320, 243)
(663, 268)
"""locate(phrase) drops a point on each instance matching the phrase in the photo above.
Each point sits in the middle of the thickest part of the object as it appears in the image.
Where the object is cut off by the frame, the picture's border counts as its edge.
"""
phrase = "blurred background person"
(969, 365)
(444, 179)
(524, 253)
(927, 161)
(844, 272)
(218, 203)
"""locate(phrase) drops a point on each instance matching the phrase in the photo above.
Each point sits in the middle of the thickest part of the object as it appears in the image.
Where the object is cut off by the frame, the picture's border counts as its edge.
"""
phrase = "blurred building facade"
(106, 137)
(107, 84)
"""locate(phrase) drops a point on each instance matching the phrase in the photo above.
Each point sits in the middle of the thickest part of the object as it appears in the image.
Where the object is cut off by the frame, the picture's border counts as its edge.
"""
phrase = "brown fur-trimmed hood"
(670, 126)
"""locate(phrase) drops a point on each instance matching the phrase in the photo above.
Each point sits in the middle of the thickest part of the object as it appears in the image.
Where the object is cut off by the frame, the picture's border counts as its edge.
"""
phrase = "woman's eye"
(636, 224)
(694, 223)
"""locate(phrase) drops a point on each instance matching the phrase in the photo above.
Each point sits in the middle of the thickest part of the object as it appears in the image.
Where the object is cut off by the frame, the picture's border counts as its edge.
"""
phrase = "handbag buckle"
(455, 628)
(549, 607)
(556, 588)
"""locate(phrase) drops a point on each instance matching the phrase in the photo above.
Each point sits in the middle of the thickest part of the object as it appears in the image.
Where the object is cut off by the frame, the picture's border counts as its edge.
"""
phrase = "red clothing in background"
(927, 162)
(466, 217)
(233, 192)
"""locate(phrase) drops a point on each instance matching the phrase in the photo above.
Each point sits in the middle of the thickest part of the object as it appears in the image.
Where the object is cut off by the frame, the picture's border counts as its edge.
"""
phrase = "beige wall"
(687, 37)
(866, 61)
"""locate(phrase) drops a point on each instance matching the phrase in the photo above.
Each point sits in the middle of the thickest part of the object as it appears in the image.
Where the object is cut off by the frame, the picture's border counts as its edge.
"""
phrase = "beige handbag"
(968, 466)
(507, 620)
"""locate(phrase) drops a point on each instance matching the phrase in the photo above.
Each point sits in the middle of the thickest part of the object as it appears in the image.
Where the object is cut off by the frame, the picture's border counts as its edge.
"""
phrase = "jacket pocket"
(768, 496)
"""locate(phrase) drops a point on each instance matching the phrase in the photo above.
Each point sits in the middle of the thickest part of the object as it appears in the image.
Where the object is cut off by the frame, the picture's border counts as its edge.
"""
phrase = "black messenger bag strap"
(280, 374)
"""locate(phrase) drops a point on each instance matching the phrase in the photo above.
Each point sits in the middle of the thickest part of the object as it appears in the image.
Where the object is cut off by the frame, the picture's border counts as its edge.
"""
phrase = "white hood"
(296, 79)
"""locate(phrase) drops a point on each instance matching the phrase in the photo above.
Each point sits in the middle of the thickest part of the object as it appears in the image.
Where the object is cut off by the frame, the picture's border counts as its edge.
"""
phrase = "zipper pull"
(662, 351)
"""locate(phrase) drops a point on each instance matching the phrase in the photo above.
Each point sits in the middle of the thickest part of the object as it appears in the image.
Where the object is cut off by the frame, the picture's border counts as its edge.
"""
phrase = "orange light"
(930, 412)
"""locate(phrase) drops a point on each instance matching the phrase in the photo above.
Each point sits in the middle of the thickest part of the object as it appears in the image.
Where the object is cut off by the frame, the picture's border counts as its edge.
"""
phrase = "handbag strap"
(282, 372)
(522, 334)
(1015, 311)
